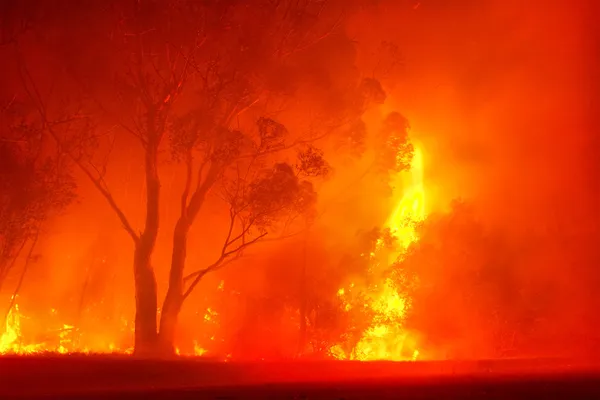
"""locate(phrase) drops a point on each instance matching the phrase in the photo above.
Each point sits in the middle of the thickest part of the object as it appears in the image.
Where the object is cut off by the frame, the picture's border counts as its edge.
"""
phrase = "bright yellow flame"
(11, 339)
(12, 332)
(198, 350)
(411, 207)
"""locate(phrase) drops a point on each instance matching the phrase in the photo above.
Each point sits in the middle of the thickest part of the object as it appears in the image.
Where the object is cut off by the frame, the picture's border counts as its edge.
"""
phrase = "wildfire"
(62, 341)
(11, 340)
(411, 207)
(68, 338)
(385, 338)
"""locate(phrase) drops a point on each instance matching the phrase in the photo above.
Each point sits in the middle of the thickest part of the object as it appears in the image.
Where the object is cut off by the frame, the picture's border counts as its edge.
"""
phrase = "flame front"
(386, 338)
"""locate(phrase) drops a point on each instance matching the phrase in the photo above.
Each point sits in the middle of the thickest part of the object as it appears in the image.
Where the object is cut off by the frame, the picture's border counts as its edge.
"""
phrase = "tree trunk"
(168, 323)
(303, 307)
(145, 301)
(174, 298)
(175, 293)
(303, 300)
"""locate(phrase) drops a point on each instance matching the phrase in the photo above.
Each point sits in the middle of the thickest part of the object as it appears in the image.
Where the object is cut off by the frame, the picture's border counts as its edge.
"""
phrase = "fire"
(385, 338)
(66, 339)
(11, 339)
(411, 207)
(12, 332)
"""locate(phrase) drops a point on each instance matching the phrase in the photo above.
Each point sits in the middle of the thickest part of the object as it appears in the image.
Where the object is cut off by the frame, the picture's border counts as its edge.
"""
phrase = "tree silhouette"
(34, 184)
(200, 78)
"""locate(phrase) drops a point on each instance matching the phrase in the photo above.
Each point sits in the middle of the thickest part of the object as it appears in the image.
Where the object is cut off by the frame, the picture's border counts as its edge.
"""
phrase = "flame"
(11, 339)
(411, 207)
(385, 338)
(69, 339)
(64, 340)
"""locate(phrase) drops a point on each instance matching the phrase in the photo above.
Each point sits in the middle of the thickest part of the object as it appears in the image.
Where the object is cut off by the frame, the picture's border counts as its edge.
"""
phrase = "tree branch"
(303, 46)
(285, 236)
(188, 183)
(294, 144)
(13, 299)
(202, 188)
(109, 198)
(231, 224)
(213, 267)
(217, 264)
(37, 99)
(5, 269)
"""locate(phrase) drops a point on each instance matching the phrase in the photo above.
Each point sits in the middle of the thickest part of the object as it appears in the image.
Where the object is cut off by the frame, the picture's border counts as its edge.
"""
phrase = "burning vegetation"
(240, 180)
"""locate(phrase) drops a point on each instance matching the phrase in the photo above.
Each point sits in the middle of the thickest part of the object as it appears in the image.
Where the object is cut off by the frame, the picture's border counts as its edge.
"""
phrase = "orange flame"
(386, 338)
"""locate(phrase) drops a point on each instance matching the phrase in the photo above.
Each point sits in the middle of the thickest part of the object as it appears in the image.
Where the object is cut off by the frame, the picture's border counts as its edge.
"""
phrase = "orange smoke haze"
(497, 99)
(498, 93)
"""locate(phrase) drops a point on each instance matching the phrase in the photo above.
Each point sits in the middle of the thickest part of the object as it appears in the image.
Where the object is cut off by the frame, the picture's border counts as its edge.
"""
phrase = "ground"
(101, 377)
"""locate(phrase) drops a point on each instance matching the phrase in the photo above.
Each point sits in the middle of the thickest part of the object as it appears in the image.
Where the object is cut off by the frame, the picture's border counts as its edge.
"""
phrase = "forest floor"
(94, 376)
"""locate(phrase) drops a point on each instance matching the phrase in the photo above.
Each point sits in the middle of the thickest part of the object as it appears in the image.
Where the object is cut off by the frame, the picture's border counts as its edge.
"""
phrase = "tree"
(34, 185)
(324, 318)
(188, 72)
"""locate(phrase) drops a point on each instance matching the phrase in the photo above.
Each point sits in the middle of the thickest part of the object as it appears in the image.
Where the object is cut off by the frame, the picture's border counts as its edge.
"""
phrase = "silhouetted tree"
(226, 58)
(34, 183)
